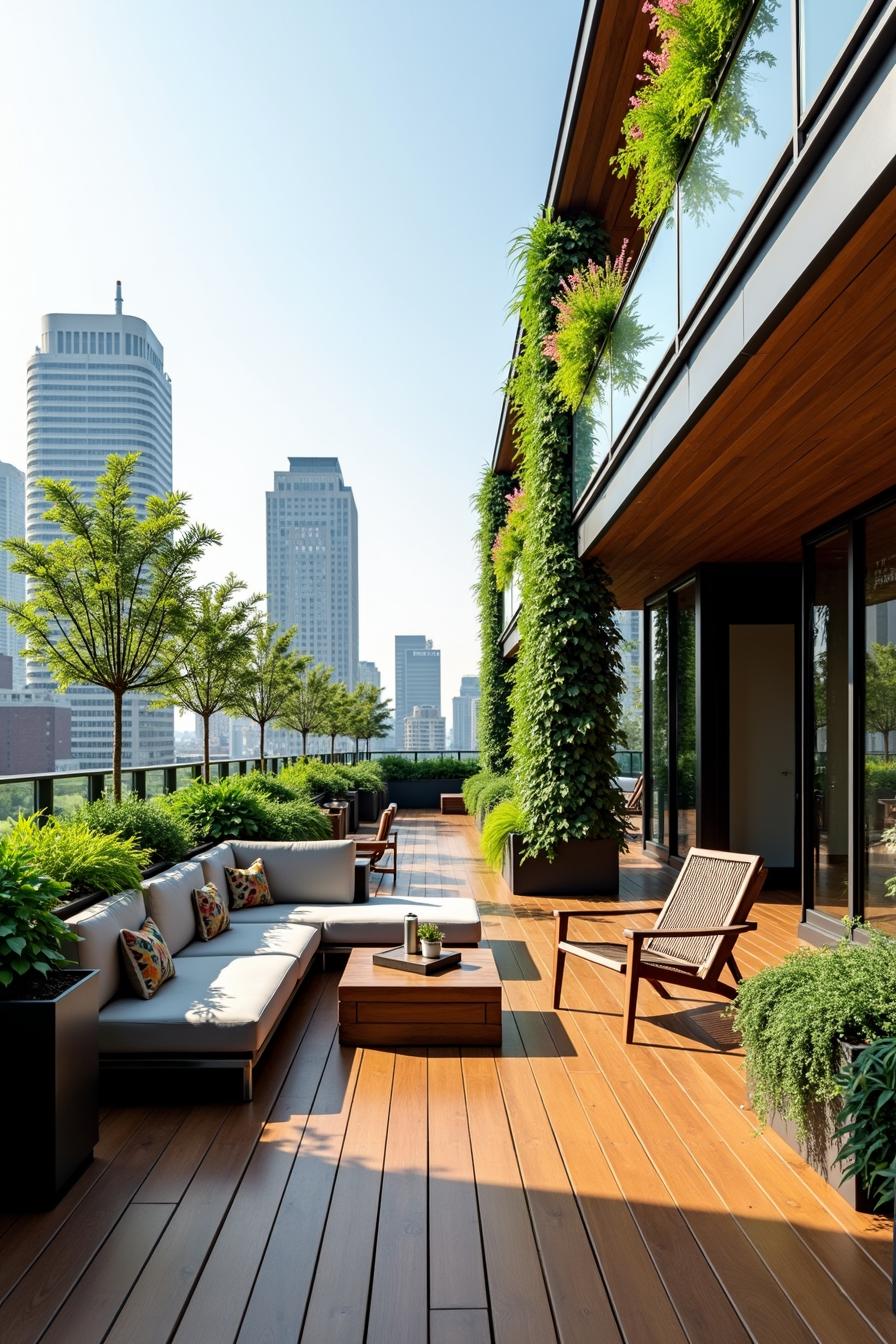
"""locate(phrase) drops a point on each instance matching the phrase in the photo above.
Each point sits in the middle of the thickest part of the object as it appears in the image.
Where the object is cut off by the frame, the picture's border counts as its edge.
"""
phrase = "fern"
(87, 863)
(506, 819)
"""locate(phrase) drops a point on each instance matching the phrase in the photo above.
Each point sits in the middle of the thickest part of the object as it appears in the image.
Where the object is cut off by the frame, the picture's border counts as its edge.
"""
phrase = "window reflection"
(824, 30)
(686, 720)
(830, 665)
(659, 723)
(880, 719)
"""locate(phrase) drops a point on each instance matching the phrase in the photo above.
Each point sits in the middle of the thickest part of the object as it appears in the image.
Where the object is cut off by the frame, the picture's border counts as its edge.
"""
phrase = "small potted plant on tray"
(430, 936)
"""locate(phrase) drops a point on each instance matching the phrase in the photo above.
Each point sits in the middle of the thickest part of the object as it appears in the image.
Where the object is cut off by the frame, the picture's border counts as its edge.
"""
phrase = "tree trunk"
(206, 757)
(332, 748)
(304, 742)
(117, 717)
(261, 727)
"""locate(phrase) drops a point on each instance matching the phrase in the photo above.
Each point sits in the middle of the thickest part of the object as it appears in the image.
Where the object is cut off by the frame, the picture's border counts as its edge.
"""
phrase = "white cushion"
(169, 899)
(213, 862)
(311, 871)
(252, 940)
(99, 926)
(380, 921)
(214, 1005)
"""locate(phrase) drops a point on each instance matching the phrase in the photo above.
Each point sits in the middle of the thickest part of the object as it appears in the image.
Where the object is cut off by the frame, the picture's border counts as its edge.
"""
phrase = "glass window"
(60, 342)
(824, 29)
(93, 342)
(645, 325)
(77, 342)
(686, 719)
(830, 676)
(127, 343)
(744, 136)
(658, 618)
(880, 720)
(591, 430)
(68, 342)
(117, 343)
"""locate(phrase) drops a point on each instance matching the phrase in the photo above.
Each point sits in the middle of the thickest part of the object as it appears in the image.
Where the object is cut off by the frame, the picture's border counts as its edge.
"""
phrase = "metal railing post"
(138, 783)
(43, 798)
(96, 785)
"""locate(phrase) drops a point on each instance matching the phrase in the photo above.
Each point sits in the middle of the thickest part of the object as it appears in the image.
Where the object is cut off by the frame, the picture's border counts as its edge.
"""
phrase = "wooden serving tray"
(398, 960)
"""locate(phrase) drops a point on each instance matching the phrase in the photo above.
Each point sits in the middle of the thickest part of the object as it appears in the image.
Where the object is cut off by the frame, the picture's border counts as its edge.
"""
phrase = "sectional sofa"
(222, 1007)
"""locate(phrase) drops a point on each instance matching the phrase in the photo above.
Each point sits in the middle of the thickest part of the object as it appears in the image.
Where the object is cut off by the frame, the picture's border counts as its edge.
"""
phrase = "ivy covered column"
(494, 682)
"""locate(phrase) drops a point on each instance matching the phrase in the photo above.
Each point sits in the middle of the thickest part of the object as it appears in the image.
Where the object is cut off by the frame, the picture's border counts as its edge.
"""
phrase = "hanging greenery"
(568, 678)
(586, 305)
(508, 545)
(490, 503)
(676, 88)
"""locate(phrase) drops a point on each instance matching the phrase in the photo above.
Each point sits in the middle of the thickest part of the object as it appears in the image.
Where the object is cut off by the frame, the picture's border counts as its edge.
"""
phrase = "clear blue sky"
(311, 204)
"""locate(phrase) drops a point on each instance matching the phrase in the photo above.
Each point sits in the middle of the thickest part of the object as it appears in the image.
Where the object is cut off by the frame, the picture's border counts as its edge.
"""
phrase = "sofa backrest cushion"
(214, 861)
(99, 927)
(318, 872)
(169, 899)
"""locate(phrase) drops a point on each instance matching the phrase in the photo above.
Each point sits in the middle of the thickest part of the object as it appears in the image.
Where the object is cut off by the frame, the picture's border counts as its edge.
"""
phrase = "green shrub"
(503, 821)
(31, 935)
(880, 779)
(313, 777)
(792, 1016)
(434, 767)
(223, 809)
(867, 1121)
(366, 775)
(473, 786)
(272, 786)
(297, 820)
(496, 791)
(154, 828)
(85, 862)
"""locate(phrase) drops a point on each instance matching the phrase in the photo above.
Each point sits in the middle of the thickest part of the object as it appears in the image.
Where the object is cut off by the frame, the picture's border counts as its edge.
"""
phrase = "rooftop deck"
(564, 1187)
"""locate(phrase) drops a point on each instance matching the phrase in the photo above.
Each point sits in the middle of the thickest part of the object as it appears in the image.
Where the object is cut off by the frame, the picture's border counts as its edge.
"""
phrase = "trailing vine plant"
(490, 503)
(675, 89)
(508, 545)
(568, 681)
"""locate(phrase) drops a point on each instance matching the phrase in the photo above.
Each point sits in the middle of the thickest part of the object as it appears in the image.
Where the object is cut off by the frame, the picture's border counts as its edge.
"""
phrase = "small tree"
(370, 715)
(304, 712)
(880, 692)
(109, 603)
(268, 679)
(206, 672)
(336, 713)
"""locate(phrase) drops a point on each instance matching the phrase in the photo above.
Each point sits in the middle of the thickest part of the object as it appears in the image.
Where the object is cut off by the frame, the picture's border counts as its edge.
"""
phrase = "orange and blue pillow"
(147, 960)
(212, 915)
(248, 886)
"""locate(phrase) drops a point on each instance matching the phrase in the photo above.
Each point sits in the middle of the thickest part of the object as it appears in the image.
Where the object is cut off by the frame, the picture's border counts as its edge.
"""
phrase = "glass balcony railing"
(739, 149)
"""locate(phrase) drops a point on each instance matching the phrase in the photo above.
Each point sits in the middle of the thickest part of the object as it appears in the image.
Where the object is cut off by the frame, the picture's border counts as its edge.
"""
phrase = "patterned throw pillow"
(248, 886)
(146, 958)
(212, 915)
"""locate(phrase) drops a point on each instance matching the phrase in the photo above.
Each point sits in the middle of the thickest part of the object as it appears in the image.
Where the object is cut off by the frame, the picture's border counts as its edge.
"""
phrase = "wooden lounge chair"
(378, 847)
(633, 799)
(692, 940)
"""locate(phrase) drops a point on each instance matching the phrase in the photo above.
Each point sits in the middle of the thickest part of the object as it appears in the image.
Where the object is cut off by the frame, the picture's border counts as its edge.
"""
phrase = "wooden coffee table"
(381, 1006)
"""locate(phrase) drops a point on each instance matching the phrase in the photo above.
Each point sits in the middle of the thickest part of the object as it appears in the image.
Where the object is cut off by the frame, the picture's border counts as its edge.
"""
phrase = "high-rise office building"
(312, 562)
(97, 385)
(424, 729)
(404, 644)
(418, 678)
(369, 674)
(12, 586)
(629, 623)
(464, 709)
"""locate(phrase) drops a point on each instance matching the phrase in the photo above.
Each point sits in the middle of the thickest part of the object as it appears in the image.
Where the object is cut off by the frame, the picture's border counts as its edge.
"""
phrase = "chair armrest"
(604, 914)
(638, 935)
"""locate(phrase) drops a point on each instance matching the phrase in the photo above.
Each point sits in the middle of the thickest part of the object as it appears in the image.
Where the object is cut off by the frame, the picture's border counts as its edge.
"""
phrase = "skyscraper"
(464, 708)
(424, 729)
(404, 644)
(12, 586)
(97, 385)
(312, 560)
(369, 673)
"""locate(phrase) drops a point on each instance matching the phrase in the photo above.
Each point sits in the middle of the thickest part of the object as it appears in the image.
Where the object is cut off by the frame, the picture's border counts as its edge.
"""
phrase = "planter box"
(351, 798)
(49, 1120)
(579, 868)
(367, 804)
(424, 794)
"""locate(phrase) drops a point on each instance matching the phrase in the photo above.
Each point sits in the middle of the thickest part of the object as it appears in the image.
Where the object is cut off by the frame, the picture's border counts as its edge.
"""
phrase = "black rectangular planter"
(421, 793)
(351, 798)
(579, 868)
(367, 804)
(49, 1120)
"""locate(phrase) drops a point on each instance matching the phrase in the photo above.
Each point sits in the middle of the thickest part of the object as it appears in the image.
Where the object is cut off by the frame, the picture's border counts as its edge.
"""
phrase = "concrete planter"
(421, 793)
(579, 868)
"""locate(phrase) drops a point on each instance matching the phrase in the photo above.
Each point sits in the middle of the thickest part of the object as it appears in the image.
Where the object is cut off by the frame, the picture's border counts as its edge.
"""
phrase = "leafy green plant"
(568, 680)
(296, 820)
(311, 777)
(365, 775)
(31, 935)
(867, 1121)
(432, 767)
(272, 786)
(84, 861)
(473, 786)
(223, 809)
(508, 544)
(497, 790)
(430, 933)
(792, 1017)
(490, 504)
(506, 819)
(153, 827)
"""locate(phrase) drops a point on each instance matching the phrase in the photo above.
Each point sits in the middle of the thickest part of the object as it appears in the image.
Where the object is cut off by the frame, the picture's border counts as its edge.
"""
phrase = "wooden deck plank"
(399, 1299)
(175, 1169)
(459, 1326)
(455, 1245)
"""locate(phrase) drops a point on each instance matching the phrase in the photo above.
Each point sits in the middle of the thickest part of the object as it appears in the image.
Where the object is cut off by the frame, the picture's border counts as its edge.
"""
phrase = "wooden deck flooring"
(562, 1188)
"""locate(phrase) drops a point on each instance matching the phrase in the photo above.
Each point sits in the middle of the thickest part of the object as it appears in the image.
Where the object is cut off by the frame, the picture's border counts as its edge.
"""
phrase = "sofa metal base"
(118, 1066)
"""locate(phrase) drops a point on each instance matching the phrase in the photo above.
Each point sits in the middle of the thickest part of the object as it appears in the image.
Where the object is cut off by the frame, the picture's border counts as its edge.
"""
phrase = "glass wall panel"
(645, 326)
(69, 794)
(591, 430)
(686, 719)
(825, 26)
(658, 784)
(830, 673)
(880, 720)
(747, 130)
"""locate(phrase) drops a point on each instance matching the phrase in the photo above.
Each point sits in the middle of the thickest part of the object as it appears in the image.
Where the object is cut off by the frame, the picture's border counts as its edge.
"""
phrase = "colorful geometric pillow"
(212, 915)
(146, 958)
(248, 886)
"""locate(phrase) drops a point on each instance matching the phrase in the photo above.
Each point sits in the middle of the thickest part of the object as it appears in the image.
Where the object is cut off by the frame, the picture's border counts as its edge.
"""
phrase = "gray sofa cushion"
(251, 940)
(273, 914)
(213, 862)
(99, 927)
(311, 871)
(214, 1005)
(169, 899)
(380, 922)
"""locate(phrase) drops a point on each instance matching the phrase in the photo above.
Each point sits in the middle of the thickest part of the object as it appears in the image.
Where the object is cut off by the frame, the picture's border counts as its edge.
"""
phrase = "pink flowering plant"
(508, 546)
(674, 90)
